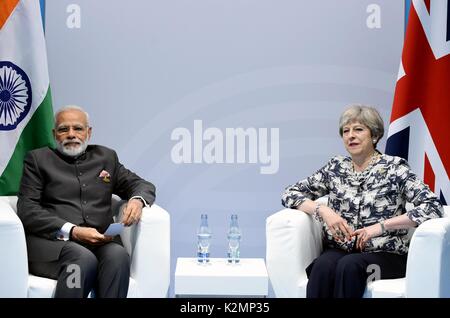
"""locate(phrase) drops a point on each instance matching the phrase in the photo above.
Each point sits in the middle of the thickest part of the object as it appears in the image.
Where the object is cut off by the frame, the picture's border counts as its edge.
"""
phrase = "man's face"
(72, 132)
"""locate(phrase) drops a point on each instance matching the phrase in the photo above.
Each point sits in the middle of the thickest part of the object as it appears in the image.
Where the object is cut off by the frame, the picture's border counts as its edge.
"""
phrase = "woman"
(365, 222)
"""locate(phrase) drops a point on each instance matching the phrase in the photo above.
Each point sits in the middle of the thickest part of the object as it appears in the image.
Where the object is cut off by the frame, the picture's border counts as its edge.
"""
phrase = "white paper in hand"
(114, 229)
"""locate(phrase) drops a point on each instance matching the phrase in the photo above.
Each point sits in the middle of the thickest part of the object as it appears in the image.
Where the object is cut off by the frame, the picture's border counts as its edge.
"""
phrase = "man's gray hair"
(365, 115)
(72, 107)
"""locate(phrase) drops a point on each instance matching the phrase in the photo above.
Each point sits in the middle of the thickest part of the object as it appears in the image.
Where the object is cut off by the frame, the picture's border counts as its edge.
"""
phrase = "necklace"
(373, 158)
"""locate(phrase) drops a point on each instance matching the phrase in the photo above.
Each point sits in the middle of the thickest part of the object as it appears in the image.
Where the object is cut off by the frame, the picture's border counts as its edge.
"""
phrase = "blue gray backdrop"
(222, 103)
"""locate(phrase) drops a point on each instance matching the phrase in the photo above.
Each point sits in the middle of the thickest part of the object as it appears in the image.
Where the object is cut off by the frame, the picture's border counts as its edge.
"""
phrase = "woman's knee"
(324, 265)
(351, 265)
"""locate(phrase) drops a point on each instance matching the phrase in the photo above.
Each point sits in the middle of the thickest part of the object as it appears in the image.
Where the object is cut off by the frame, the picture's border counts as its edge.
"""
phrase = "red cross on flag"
(419, 129)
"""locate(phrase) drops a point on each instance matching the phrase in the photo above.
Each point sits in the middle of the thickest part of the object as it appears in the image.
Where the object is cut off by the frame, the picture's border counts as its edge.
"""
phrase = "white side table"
(219, 278)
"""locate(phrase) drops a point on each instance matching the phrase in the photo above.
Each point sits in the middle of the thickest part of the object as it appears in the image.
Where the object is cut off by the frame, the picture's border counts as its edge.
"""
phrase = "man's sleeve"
(140, 198)
(35, 218)
(64, 233)
(128, 185)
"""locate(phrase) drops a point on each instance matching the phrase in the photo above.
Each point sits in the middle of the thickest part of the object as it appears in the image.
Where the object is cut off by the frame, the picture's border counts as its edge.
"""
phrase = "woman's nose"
(351, 134)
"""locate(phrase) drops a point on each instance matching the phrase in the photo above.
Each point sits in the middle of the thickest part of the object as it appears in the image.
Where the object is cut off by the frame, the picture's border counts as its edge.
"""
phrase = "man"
(65, 206)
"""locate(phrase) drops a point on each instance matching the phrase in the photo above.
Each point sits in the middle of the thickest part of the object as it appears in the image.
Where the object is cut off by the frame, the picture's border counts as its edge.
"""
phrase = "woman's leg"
(354, 269)
(321, 274)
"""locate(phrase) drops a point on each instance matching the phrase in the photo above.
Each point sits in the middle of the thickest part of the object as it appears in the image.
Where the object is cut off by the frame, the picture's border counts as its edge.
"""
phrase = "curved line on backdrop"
(259, 79)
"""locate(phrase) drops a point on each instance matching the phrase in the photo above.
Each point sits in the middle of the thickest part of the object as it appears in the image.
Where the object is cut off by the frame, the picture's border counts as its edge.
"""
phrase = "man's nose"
(71, 133)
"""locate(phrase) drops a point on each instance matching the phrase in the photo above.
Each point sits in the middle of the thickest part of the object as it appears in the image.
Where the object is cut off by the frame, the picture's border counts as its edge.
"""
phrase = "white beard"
(72, 151)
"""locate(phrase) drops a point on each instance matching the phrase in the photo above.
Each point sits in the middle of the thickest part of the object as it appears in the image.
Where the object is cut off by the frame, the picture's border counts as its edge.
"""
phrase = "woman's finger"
(336, 233)
(345, 231)
(363, 241)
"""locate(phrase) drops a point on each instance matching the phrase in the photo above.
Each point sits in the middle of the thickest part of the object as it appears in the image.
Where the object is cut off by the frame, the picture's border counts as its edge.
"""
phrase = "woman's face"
(357, 139)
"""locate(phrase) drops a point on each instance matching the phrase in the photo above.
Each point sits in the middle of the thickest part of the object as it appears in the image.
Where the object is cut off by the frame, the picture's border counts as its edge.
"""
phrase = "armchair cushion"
(293, 241)
(148, 244)
(41, 287)
(13, 251)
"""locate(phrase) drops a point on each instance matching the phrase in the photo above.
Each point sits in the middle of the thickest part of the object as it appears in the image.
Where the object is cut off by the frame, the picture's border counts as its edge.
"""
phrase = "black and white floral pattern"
(380, 192)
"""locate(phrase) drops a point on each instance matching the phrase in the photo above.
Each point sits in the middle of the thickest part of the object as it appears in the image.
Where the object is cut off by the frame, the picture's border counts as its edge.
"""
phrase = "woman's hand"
(365, 234)
(336, 224)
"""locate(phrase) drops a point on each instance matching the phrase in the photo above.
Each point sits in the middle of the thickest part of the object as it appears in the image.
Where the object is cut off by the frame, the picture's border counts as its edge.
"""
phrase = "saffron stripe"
(6, 8)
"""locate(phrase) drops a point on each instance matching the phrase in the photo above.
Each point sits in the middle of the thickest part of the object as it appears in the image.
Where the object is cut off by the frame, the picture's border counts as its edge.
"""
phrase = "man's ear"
(89, 132)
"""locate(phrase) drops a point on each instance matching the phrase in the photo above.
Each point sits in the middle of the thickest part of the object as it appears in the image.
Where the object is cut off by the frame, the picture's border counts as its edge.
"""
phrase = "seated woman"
(365, 222)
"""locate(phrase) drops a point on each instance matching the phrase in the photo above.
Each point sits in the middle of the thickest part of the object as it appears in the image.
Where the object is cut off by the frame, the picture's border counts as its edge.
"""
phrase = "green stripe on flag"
(36, 134)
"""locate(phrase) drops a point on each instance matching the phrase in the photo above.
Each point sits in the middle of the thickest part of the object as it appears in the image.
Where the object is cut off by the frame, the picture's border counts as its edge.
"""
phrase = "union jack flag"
(419, 129)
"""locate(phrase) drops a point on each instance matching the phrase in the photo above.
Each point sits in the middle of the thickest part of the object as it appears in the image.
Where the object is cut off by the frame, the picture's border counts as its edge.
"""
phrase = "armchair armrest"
(428, 266)
(293, 241)
(13, 252)
(148, 244)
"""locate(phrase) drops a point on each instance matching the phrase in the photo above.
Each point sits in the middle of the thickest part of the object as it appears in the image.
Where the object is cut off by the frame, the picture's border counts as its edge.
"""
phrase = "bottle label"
(203, 257)
(233, 258)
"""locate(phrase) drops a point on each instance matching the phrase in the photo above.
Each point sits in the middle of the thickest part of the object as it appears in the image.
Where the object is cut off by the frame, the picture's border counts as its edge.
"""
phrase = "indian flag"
(26, 114)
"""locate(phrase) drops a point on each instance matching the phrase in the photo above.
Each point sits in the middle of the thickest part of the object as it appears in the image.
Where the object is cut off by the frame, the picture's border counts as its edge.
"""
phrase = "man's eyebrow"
(75, 126)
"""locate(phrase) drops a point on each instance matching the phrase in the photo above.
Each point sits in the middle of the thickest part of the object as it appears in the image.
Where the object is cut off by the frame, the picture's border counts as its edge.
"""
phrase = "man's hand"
(132, 212)
(89, 235)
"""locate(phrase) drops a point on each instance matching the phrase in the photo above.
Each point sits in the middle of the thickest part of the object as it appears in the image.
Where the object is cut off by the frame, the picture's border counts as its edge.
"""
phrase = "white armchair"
(294, 240)
(147, 243)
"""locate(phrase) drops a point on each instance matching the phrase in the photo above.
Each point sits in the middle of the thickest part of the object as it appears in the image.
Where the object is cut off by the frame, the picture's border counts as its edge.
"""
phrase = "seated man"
(64, 203)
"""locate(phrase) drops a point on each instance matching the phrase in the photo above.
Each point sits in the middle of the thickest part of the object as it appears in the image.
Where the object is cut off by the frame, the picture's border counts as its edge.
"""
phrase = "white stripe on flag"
(23, 44)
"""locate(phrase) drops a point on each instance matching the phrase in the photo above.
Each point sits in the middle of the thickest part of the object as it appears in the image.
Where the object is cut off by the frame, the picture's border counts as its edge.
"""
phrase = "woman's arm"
(374, 230)
(397, 223)
(415, 191)
(336, 224)
(311, 188)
